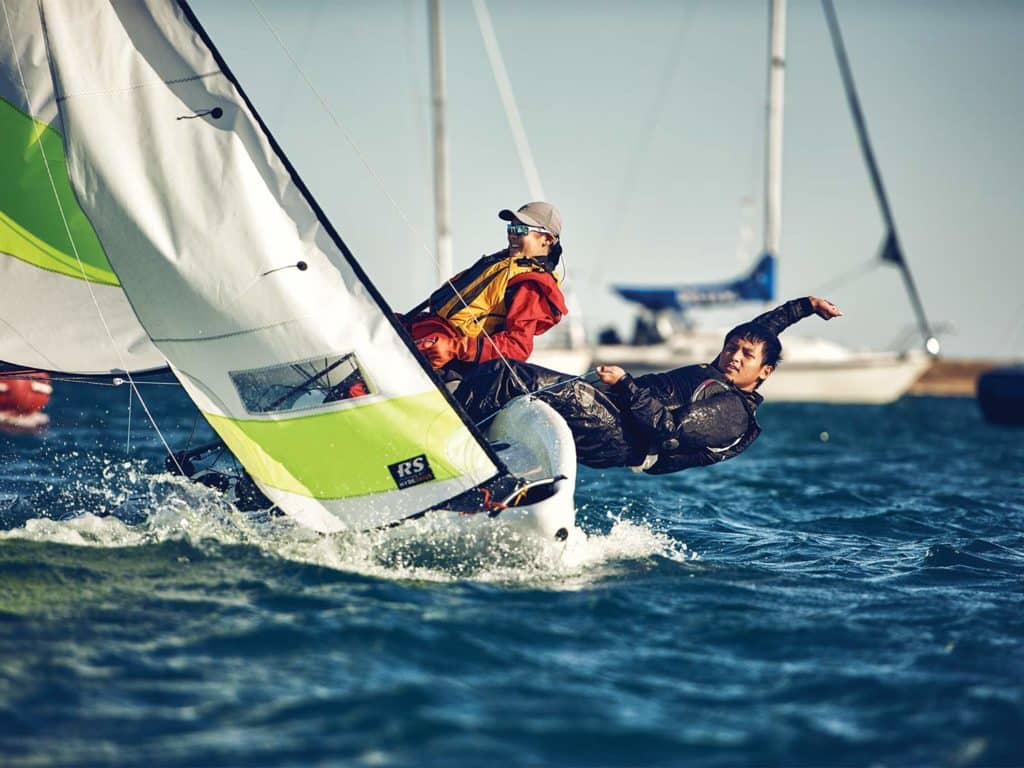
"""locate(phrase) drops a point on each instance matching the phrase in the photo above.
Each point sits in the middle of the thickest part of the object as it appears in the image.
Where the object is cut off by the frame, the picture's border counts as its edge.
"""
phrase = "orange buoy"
(24, 396)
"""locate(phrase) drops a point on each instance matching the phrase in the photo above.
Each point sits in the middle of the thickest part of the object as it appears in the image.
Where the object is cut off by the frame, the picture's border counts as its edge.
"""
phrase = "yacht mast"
(892, 251)
(442, 188)
(773, 147)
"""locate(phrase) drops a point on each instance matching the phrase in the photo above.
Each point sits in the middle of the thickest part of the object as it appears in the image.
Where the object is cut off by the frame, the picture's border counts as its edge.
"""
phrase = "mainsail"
(239, 280)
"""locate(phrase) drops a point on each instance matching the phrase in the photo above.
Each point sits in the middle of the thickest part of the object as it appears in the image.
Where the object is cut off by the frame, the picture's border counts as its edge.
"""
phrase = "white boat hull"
(533, 442)
(540, 449)
(870, 378)
(812, 370)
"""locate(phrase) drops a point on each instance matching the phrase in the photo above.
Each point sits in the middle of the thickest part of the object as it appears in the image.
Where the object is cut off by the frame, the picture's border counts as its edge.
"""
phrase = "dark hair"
(550, 261)
(754, 332)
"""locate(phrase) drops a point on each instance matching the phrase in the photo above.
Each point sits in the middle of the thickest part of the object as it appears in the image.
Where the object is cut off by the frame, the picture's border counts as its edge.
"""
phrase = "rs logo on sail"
(411, 471)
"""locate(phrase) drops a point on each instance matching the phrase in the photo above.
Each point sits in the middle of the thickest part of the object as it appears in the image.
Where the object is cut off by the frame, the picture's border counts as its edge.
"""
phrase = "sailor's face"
(530, 244)
(742, 362)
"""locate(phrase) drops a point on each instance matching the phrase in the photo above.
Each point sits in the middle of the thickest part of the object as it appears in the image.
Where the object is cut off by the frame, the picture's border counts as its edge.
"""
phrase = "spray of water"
(134, 508)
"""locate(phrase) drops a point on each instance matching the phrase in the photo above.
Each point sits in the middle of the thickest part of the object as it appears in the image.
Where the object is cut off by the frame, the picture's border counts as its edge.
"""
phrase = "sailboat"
(158, 223)
(814, 370)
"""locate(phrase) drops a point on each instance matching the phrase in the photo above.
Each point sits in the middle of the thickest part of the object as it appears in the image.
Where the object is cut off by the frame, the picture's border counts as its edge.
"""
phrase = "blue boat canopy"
(758, 285)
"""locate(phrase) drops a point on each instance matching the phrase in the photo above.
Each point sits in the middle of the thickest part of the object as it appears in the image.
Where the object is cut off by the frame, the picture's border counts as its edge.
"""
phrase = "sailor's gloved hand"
(438, 349)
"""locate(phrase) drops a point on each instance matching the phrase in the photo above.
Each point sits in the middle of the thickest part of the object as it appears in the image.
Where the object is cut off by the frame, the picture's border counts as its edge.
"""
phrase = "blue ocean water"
(848, 592)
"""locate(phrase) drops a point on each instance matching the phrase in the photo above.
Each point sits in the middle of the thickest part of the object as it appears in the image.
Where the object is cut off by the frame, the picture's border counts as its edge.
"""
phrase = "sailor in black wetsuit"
(662, 422)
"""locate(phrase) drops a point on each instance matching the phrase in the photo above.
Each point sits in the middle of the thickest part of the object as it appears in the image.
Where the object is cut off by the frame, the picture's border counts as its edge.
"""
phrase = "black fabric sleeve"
(779, 319)
(715, 422)
(643, 409)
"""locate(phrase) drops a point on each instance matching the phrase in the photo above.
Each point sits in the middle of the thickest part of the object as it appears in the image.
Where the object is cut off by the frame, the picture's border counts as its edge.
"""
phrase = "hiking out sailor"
(494, 308)
(662, 422)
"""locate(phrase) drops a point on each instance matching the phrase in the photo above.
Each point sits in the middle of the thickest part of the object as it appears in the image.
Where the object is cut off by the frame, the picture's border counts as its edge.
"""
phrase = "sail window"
(301, 385)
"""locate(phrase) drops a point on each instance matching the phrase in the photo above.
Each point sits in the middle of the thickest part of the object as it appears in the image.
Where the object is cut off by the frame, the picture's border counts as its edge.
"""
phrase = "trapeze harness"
(672, 460)
(476, 299)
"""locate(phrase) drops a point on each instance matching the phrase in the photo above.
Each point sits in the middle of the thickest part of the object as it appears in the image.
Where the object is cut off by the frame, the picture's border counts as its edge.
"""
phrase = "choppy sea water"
(848, 592)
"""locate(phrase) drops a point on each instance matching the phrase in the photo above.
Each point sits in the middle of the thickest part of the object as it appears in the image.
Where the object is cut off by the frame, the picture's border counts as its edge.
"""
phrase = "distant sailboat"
(814, 369)
(167, 228)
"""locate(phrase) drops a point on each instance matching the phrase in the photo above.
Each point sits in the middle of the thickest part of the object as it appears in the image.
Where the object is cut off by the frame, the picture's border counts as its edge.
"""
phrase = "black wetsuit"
(663, 422)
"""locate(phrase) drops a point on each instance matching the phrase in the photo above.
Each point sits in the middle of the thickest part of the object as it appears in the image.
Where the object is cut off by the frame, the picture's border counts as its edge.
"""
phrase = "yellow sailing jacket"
(479, 300)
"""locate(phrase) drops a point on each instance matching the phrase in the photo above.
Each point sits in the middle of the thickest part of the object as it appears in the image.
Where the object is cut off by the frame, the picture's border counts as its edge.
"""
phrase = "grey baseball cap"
(536, 214)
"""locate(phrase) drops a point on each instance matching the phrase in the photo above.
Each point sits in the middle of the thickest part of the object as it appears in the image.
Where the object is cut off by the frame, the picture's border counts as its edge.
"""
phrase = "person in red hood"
(496, 307)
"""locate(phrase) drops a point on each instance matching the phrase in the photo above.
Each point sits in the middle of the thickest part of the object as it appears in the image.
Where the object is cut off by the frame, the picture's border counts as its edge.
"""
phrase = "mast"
(773, 147)
(892, 250)
(442, 190)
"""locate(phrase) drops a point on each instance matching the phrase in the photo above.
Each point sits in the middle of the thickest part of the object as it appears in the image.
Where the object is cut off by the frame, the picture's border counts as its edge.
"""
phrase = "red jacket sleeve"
(536, 305)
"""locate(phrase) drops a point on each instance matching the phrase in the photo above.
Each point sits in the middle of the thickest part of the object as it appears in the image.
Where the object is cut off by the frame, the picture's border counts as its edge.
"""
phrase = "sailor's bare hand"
(610, 374)
(824, 309)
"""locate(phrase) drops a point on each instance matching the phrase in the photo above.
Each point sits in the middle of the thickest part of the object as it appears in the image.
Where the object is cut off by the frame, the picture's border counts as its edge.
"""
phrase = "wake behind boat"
(194, 244)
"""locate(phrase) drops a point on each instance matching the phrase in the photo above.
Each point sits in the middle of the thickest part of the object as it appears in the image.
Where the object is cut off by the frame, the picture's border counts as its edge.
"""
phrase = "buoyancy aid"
(477, 299)
(700, 382)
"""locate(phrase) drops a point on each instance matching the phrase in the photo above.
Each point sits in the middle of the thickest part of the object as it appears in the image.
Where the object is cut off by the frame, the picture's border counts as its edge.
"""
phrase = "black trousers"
(602, 437)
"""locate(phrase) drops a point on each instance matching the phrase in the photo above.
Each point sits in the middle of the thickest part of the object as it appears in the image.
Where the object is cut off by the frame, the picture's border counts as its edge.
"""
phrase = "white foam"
(147, 509)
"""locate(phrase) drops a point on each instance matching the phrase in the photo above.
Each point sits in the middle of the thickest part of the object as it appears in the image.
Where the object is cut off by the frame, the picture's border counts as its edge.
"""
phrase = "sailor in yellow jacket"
(496, 307)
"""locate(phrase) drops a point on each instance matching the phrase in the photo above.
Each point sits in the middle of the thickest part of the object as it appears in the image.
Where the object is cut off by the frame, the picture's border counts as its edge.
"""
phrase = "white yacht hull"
(869, 378)
(812, 370)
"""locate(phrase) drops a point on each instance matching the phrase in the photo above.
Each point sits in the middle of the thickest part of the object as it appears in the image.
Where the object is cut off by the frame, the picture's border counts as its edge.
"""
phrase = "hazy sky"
(646, 120)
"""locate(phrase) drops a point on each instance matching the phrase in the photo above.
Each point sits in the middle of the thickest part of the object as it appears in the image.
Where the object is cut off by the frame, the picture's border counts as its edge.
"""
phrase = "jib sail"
(62, 308)
(239, 280)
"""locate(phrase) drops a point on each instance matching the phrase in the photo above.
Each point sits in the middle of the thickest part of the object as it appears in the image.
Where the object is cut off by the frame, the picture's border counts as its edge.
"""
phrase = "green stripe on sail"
(31, 227)
(346, 453)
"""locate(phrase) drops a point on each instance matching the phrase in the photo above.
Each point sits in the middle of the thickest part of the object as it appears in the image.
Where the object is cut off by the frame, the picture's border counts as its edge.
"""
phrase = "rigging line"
(114, 382)
(128, 439)
(345, 134)
(860, 124)
(848, 277)
(64, 219)
(195, 423)
(508, 99)
(645, 139)
(366, 164)
(581, 377)
(304, 384)
(515, 121)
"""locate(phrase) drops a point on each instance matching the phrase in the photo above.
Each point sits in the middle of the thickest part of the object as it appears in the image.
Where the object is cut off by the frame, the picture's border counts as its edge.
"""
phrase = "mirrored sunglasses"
(520, 230)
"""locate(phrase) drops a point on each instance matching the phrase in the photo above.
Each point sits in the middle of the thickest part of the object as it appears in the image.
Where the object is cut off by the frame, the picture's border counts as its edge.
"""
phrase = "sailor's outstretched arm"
(779, 319)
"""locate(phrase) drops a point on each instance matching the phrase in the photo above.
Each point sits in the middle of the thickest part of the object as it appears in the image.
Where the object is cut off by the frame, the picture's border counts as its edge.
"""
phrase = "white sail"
(62, 308)
(266, 319)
